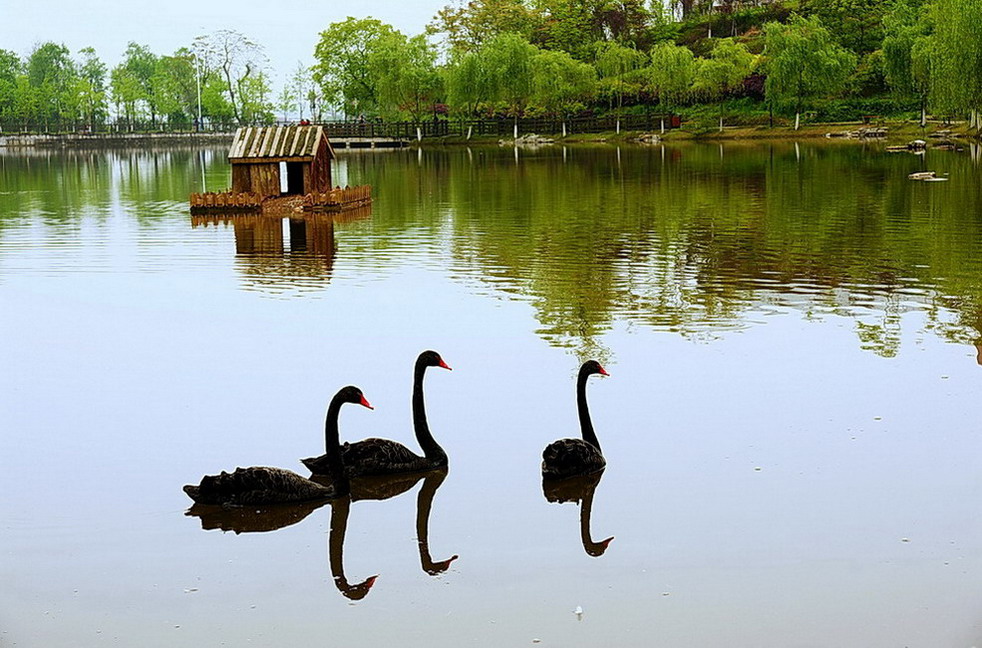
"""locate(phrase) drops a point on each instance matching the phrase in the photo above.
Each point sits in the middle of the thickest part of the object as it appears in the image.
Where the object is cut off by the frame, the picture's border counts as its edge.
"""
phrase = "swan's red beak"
(603, 372)
(364, 403)
(606, 542)
(370, 581)
(445, 365)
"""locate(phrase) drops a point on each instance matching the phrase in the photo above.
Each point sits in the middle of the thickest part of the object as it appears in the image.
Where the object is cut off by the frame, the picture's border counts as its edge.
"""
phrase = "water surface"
(790, 425)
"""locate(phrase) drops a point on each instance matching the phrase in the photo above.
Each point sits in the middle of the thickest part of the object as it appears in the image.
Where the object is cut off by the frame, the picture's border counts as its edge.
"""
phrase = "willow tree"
(405, 75)
(907, 54)
(508, 60)
(728, 65)
(467, 84)
(671, 73)
(615, 63)
(559, 82)
(803, 63)
(956, 57)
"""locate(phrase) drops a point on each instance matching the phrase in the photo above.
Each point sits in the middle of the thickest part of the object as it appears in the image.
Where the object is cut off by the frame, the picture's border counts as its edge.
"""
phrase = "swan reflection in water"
(252, 519)
(381, 488)
(578, 489)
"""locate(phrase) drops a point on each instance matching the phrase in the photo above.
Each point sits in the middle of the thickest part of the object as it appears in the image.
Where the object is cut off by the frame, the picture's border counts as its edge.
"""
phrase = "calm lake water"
(791, 424)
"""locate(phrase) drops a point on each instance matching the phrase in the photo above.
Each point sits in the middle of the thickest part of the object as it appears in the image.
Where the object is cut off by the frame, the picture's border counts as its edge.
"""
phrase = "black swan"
(578, 489)
(571, 457)
(385, 457)
(259, 485)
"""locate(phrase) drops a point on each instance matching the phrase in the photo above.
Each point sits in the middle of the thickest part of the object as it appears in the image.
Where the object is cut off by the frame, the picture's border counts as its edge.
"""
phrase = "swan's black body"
(571, 457)
(265, 485)
(386, 457)
(256, 485)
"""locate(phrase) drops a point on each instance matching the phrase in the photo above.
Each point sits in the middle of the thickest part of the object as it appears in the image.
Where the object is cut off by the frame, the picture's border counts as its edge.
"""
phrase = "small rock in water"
(877, 418)
(944, 377)
(905, 539)
(757, 468)
(666, 593)
(536, 641)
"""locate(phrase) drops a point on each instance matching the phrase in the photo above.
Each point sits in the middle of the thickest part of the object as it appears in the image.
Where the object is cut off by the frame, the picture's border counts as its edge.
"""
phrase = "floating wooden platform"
(338, 199)
(230, 202)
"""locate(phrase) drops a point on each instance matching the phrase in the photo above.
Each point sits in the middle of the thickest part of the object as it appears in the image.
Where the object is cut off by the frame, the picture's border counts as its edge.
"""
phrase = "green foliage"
(508, 61)
(672, 72)
(559, 82)
(956, 56)
(803, 63)
(237, 61)
(343, 69)
(906, 51)
(468, 27)
(405, 75)
(858, 24)
(467, 82)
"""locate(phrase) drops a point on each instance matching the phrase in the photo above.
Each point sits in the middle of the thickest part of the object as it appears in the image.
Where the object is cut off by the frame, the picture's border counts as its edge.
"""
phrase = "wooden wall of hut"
(317, 174)
(263, 179)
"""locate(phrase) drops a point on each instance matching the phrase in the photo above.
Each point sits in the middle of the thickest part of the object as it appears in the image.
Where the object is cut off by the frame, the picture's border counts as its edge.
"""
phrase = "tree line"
(530, 58)
(217, 81)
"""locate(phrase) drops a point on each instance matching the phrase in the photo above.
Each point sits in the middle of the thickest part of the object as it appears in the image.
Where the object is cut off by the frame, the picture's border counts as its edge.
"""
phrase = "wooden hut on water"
(281, 168)
(260, 156)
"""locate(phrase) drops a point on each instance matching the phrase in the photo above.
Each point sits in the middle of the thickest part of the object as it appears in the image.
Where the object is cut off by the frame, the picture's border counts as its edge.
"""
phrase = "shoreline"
(895, 132)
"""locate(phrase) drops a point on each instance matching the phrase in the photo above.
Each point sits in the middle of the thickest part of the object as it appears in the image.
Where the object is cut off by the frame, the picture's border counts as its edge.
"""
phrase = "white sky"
(287, 30)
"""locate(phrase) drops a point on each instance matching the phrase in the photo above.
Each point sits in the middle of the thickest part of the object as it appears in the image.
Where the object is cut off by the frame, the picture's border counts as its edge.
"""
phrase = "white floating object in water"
(579, 613)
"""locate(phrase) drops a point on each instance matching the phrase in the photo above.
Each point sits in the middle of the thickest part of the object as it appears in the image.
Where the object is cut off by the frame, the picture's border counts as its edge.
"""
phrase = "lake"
(791, 423)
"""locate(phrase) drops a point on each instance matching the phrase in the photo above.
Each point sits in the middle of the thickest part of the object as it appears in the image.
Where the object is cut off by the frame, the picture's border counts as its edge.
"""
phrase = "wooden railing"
(338, 198)
(226, 201)
(498, 127)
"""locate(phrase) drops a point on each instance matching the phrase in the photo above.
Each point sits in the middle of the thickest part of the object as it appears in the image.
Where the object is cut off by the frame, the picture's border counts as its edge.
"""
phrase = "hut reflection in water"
(269, 259)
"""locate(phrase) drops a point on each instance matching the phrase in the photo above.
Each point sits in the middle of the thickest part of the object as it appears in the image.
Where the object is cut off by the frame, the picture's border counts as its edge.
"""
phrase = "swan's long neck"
(332, 439)
(427, 443)
(586, 425)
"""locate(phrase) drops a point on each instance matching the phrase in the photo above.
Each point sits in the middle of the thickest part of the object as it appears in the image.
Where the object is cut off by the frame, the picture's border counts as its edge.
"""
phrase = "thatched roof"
(277, 144)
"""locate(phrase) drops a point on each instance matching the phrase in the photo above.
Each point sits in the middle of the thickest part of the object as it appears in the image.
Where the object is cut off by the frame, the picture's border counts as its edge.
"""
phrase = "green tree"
(92, 87)
(857, 24)
(51, 72)
(559, 82)
(237, 60)
(803, 62)
(508, 58)
(467, 84)
(406, 77)
(10, 69)
(176, 86)
(907, 54)
(141, 65)
(125, 91)
(728, 65)
(255, 97)
(286, 100)
(468, 27)
(343, 70)
(616, 64)
(956, 57)
(671, 73)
